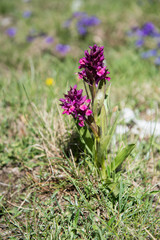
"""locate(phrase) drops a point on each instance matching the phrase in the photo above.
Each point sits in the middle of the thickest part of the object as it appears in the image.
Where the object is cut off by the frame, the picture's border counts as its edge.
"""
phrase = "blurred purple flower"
(139, 32)
(27, 14)
(30, 38)
(81, 28)
(93, 64)
(67, 23)
(135, 31)
(89, 21)
(11, 32)
(139, 43)
(156, 34)
(157, 61)
(76, 105)
(150, 53)
(86, 22)
(49, 39)
(62, 48)
(148, 28)
(79, 14)
(83, 22)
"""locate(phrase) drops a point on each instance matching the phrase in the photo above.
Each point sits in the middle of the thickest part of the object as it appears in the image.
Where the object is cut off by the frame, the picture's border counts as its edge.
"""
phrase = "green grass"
(48, 188)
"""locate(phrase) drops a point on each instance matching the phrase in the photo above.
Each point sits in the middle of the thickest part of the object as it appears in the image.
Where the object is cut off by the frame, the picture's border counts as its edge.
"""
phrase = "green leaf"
(108, 171)
(86, 138)
(103, 122)
(156, 145)
(106, 98)
(76, 218)
(114, 188)
(105, 141)
(111, 221)
(121, 156)
(100, 99)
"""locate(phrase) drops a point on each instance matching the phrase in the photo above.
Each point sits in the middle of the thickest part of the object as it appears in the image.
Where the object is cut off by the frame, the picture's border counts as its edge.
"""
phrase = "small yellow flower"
(50, 82)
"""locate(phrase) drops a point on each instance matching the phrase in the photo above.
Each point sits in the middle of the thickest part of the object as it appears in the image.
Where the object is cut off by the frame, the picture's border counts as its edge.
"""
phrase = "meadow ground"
(47, 188)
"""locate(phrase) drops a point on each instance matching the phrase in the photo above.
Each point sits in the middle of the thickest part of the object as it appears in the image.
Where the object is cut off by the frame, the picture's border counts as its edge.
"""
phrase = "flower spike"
(76, 105)
(93, 66)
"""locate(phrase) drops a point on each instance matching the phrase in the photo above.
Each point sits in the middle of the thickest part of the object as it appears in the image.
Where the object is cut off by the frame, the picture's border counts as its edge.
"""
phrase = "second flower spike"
(76, 105)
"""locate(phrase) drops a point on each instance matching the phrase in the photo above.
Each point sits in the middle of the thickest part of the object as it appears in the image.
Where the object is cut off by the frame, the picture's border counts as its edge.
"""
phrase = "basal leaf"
(86, 138)
(121, 156)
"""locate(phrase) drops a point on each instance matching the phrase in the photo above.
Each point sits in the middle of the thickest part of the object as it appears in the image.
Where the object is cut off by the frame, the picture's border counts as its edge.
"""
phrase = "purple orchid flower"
(76, 105)
(93, 66)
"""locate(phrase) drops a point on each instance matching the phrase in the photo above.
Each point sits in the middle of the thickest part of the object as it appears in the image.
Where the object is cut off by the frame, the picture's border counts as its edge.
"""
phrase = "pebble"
(5, 22)
(76, 5)
(141, 127)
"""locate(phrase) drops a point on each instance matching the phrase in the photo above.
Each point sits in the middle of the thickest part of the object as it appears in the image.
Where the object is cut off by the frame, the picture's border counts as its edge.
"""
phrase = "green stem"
(91, 123)
(100, 159)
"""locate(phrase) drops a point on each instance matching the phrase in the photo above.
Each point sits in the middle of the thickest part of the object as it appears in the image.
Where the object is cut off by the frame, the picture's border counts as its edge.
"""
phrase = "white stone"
(148, 128)
(76, 4)
(150, 112)
(5, 22)
(120, 129)
(128, 115)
